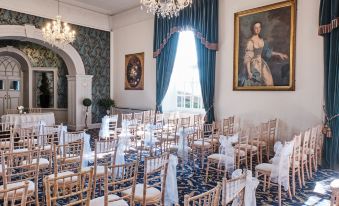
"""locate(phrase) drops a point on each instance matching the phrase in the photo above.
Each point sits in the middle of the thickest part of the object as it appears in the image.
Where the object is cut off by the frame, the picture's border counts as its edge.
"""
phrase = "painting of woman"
(264, 47)
(257, 50)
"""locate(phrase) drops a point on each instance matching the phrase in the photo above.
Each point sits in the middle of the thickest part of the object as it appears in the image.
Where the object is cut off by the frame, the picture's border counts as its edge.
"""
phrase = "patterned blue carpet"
(316, 191)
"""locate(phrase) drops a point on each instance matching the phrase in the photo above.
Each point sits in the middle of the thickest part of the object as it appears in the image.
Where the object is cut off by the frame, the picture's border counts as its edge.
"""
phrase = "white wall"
(49, 9)
(136, 37)
(296, 110)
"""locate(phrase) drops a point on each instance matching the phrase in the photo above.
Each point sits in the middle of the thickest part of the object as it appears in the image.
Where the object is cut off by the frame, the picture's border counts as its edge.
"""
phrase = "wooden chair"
(34, 110)
(73, 136)
(67, 159)
(296, 163)
(202, 146)
(20, 192)
(241, 152)
(19, 168)
(209, 198)
(304, 156)
(118, 179)
(70, 189)
(311, 153)
(113, 123)
(185, 121)
(104, 153)
(263, 142)
(265, 169)
(233, 189)
(155, 172)
(217, 162)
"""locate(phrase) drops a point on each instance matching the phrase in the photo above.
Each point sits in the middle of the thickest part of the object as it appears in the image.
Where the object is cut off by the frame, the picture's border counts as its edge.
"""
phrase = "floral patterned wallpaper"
(40, 56)
(93, 46)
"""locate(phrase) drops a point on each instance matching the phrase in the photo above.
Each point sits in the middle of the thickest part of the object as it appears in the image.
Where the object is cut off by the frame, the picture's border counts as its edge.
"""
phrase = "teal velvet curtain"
(164, 67)
(201, 18)
(328, 21)
(206, 64)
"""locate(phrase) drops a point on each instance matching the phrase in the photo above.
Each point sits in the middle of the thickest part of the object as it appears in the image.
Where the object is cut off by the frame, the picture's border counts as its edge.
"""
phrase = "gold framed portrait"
(134, 71)
(264, 48)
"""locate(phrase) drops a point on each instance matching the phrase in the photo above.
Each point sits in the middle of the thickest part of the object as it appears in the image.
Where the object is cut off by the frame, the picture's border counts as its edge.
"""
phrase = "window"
(184, 91)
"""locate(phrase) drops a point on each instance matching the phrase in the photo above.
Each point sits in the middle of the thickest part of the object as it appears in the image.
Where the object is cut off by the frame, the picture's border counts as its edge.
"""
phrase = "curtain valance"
(200, 18)
(328, 16)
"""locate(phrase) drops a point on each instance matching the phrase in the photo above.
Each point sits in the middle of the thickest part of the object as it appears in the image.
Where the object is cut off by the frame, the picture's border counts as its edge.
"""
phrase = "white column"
(79, 88)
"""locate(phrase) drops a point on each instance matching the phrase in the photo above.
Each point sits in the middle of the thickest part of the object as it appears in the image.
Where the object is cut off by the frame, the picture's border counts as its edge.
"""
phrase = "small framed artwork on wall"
(264, 47)
(134, 71)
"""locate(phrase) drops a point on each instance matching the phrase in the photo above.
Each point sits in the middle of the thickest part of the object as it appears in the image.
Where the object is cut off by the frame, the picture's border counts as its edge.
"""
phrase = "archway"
(79, 84)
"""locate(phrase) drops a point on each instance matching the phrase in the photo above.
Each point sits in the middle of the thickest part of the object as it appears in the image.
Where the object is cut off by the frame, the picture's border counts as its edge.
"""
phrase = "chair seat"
(264, 167)
(100, 170)
(69, 158)
(240, 152)
(310, 152)
(62, 174)
(262, 143)
(43, 163)
(174, 148)
(101, 201)
(152, 194)
(199, 143)
(335, 184)
(214, 140)
(217, 156)
(18, 192)
(247, 146)
(46, 147)
(20, 150)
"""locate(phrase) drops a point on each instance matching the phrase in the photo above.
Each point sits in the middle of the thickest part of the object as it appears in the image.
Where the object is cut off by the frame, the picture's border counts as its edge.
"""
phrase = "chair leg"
(299, 178)
(302, 173)
(293, 181)
(279, 194)
(208, 166)
(264, 188)
(307, 170)
(310, 165)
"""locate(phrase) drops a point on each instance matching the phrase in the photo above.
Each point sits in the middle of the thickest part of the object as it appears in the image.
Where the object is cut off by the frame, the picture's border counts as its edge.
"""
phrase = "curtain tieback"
(208, 110)
(326, 130)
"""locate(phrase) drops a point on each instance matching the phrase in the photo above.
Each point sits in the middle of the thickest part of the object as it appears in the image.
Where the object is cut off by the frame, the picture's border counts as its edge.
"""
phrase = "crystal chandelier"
(165, 8)
(58, 33)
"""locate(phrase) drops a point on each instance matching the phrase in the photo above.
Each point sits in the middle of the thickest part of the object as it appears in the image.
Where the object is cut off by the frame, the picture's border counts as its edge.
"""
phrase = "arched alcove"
(79, 84)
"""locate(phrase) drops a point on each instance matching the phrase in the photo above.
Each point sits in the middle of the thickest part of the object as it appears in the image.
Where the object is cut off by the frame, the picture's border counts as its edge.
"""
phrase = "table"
(28, 120)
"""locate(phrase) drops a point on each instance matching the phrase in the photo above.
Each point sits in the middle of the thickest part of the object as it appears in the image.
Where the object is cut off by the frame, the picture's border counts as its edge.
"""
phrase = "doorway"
(11, 84)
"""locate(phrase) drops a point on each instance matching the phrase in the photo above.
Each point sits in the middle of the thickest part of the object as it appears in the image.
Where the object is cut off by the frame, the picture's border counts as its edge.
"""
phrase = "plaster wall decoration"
(92, 45)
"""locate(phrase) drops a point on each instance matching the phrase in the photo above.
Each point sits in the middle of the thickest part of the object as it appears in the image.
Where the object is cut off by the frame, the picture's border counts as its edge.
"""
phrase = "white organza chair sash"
(227, 149)
(280, 161)
(171, 191)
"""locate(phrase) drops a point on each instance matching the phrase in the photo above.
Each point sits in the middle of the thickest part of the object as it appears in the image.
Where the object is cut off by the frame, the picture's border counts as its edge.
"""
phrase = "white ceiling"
(109, 7)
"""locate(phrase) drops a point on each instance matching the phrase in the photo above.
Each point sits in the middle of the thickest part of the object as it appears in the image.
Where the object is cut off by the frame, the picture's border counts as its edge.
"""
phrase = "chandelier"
(165, 8)
(56, 33)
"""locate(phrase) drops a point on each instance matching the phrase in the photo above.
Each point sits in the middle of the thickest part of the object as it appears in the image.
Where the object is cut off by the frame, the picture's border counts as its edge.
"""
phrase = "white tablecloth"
(28, 120)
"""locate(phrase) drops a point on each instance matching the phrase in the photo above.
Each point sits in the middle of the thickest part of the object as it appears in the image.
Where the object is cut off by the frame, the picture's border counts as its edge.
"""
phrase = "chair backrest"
(120, 178)
(105, 149)
(272, 131)
(155, 173)
(5, 127)
(68, 157)
(297, 149)
(313, 139)
(113, 122)
(34, 110)
(306, 142)
(209, 198)
(228, 126)
(185, 121)
(20, 192)
(72, 189)
(233, 188)
(127, 117)
(147, 117)
(138, 117)
(159, 118)
(73, 136)
(19, 167)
